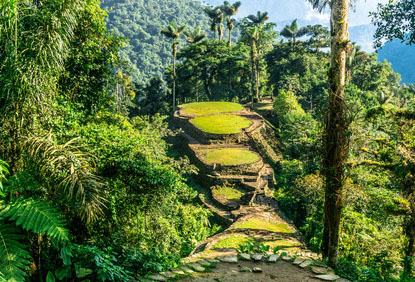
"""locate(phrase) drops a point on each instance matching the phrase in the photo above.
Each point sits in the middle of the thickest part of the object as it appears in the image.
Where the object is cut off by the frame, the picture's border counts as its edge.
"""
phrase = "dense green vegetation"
(147, 53)
(84, 189)
(88, 185)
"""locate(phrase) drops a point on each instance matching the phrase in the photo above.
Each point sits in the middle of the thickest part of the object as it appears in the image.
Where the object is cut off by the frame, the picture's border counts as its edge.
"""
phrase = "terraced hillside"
(237, 178)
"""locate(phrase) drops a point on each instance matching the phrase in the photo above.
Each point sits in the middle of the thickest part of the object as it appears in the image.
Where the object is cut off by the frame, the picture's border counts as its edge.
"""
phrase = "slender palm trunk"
(335, 136)
(253, 76)
(220, 31)
(174, 74)
(230, 37)
(256, 70)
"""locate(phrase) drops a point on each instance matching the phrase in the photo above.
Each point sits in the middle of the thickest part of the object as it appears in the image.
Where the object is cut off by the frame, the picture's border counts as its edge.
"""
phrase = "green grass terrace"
(209, 108)
(229, 156)
(221, 124)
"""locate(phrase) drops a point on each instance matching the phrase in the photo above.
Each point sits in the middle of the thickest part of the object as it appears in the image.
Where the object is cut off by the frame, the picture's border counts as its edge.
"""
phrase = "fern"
(14, 258)
(37, 216)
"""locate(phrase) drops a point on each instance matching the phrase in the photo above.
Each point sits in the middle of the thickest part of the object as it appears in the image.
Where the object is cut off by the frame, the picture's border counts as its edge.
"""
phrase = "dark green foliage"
(141, 22)
(395, 20)
(204, 72)
(14, 257)
(38, 217)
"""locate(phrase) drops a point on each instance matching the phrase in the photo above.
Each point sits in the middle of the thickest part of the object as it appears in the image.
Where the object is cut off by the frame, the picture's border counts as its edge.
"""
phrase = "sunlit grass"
(232, 242)
(221, 124)
(229, 156)
(229, 193)
(208, 108)
(264, 225)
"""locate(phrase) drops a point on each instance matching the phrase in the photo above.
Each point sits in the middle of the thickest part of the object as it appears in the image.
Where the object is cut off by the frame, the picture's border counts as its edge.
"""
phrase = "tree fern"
(38, 217)
(14, 258)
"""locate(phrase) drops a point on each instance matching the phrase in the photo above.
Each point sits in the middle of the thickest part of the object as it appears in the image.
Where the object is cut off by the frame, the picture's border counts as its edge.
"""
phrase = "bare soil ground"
(280, 271)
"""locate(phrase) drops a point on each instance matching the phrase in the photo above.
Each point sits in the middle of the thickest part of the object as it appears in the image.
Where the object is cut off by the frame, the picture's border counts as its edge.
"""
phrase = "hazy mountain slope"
(402, 58)
(141, 22)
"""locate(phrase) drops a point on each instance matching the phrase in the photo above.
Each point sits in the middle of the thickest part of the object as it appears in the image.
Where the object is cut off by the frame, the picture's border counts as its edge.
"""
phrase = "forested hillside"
(141, 21)
(265, 142)
(402, 58)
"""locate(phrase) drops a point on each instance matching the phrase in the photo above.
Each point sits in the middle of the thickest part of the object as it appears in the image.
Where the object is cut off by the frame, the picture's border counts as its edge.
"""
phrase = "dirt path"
(280, 271)
(253, 218)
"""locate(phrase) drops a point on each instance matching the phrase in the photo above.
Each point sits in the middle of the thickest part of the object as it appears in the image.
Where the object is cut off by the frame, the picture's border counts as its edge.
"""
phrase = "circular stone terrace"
(228, 156)
(219, 118)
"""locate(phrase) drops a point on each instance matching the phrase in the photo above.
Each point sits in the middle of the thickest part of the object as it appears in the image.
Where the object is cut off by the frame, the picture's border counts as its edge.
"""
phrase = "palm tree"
(230, 11)
(335, 135)
(257, 21)
(217, 17)
(292, 32)
(173, 33)
(194, 36)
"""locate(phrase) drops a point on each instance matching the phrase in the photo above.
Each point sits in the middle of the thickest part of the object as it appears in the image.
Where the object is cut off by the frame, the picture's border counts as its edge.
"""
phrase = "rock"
(168, 274)
(306, 263)
(245, 256)
(273, 258)
(177, 271)
(157, 277)
(245, 269)
(145, 280)
(342, 280)
(214, 261)
(286, 258)
(298, 261)
(320, 264)
(327, 277)
(229, 259)
(205, 263)
(196, 267)
(186, 269)
(257, 257)
(319, 270)
(256, 270)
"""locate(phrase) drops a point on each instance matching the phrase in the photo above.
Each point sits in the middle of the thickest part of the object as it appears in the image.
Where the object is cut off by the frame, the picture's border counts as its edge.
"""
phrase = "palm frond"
(320, 5)
(37, 216)
(73, 170)
(14, 257)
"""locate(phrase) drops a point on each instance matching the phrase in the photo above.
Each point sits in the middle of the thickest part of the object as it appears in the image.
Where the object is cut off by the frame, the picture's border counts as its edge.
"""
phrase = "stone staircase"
(252, 218)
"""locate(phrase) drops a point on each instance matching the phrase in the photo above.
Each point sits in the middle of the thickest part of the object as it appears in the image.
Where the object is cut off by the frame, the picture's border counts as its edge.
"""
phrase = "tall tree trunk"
(230, 38)
(409, 231)
(256, 70)
(174, 74)
(335, 138)
(253, 76)
(220, 31)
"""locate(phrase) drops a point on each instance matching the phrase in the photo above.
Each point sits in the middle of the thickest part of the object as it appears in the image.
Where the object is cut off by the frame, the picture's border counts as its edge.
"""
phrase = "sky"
(284, 10)
(358, 15)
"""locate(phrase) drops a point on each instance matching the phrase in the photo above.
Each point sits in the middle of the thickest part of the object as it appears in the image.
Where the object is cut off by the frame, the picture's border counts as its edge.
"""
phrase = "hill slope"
(402, 58)
(141, 21)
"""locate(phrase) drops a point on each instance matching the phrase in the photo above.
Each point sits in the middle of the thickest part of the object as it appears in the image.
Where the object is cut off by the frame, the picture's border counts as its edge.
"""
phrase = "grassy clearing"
(232, 242)
(235, 241)
(229, 156)
(264, 225)
(208, 108)
(229, 193)
(221, 124)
